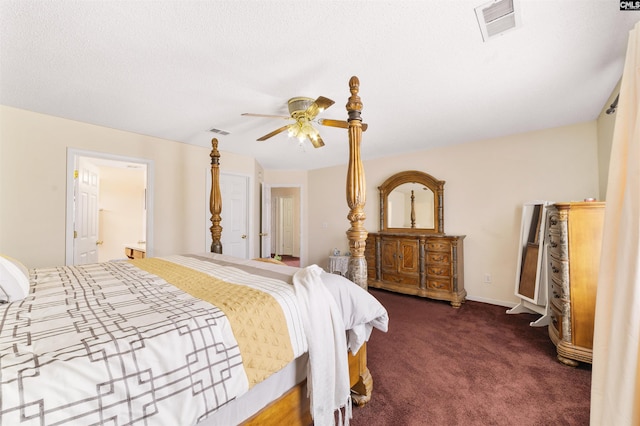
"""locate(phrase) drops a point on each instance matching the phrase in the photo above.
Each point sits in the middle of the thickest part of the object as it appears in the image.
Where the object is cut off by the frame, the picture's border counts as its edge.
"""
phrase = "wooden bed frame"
(293, 407)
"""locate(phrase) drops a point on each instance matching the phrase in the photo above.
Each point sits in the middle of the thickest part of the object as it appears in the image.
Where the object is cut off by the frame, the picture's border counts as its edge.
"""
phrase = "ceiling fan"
(304, 111)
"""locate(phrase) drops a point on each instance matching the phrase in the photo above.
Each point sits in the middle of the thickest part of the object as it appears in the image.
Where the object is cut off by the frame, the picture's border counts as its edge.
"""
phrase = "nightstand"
(339, 264)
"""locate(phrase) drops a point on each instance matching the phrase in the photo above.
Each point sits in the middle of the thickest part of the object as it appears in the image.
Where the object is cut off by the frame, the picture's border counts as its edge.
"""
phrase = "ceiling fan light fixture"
(299, 105)
(313, 136)
(304, 111)
(302, 129)
(293, 130)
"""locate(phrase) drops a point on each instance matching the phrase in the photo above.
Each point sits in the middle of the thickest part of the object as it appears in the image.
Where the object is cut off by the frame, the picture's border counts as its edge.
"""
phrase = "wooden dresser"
(573, 259)
(411, 253)
(426, 265)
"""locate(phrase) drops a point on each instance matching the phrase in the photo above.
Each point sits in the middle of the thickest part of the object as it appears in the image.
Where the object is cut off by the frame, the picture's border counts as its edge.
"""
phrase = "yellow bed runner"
(256, 318)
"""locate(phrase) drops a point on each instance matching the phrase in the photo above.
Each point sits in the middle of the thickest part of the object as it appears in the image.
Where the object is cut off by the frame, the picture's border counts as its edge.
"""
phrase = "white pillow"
(360, 310)
(14, 279)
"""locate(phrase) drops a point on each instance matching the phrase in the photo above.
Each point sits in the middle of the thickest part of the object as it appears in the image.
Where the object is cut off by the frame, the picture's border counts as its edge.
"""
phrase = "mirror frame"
(414, 176)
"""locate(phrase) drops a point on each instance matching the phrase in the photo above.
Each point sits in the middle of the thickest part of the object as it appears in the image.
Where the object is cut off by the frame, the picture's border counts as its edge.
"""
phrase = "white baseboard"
(492, 301)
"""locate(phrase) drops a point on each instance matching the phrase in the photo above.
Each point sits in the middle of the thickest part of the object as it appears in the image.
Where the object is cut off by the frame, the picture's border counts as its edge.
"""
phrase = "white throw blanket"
(328, 369)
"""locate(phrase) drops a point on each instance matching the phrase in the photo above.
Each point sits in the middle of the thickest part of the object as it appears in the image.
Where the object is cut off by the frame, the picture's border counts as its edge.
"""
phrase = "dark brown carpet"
(291, 260)
(475, 365)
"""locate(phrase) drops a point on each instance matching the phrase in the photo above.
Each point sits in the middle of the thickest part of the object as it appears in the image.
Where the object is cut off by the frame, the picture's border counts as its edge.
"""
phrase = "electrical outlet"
(487, 278)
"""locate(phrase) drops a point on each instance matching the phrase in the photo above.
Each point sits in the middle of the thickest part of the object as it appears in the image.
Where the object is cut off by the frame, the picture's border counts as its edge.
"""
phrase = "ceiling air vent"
(496, 17)
(218, 131)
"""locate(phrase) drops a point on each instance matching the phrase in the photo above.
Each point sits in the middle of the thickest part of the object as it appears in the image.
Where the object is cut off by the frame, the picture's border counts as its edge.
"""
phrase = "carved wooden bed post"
(356, 190)
(215, 200)
(357, 234)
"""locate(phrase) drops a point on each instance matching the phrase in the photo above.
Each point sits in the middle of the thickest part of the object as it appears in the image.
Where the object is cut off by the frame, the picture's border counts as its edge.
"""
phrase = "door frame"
(72, 154)
(266, 206)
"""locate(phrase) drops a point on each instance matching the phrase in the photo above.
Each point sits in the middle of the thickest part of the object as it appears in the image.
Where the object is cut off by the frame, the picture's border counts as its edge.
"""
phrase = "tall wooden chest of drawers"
(424, 265)
(573, 260)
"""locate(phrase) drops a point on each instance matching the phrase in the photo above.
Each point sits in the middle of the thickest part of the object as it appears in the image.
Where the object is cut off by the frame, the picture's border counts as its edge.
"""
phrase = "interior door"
(85, 242)
(286, 224)
(276, 230)
(265, 222)
(235, 239)
(271, 231)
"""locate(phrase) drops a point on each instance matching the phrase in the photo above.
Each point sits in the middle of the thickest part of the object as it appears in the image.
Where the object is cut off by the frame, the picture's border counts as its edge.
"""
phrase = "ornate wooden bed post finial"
(356, 190)
(215, 201)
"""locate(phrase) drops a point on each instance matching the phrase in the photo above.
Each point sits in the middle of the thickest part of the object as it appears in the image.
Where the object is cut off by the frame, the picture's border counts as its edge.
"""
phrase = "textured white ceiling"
(175, 69)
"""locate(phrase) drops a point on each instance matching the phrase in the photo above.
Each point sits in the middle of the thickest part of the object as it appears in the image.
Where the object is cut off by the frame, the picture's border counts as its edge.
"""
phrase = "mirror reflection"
(410, 205)
(412, 202)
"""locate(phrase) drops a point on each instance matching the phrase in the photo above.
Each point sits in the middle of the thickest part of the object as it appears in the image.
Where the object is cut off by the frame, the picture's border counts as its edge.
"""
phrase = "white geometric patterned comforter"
(111, 344)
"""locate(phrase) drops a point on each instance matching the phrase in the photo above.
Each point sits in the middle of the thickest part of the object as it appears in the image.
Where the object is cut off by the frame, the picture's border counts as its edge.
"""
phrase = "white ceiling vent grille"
(218, 131)
(496, 18)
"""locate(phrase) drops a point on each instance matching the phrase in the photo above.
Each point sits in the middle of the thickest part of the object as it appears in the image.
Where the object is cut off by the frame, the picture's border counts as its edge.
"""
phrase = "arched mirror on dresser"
(411, 253)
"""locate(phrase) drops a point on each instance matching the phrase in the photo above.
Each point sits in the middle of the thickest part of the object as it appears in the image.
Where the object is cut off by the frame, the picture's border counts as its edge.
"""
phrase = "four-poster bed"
(174, 339)
(294, 404)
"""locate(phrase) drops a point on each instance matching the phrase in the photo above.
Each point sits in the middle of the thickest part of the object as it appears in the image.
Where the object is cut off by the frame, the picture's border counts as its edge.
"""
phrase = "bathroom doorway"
(116, 215)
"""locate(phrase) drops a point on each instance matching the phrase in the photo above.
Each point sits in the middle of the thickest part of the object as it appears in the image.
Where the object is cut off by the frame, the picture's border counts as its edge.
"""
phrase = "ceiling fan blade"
(275, 132)
(286, 117)
(333, 123)
(317, 143)
(324, 103)
(338, 123)
(319, 105)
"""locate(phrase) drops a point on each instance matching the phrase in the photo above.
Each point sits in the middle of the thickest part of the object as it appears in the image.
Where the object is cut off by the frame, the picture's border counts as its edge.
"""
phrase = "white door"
(286, 224)
(235, 235)
(85, 242)
(265, 225)
(276, 229)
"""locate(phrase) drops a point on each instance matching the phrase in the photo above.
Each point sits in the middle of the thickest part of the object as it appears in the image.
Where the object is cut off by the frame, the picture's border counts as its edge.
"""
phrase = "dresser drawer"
(554, 221)
(558, 245)
(436, 284)
(439, 270)
(434, 245)
(400, 279)
(556, 320)
(558, 293)
(559, 271)
(439, 257)
(560, 310)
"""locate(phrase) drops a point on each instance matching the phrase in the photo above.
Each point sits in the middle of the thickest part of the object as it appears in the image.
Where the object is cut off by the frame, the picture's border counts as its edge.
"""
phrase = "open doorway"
(281, 223)
(113, 215)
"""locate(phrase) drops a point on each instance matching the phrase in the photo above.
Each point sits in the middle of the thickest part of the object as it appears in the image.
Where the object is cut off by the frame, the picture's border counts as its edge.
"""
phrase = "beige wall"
(486, 184)
(121, 210)
(33, 156)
